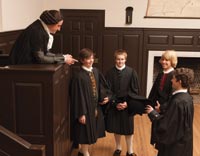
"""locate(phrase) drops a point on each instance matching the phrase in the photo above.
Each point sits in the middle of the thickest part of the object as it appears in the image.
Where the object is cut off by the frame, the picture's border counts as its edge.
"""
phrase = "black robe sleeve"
(78, 97)
(48, 58)
(31, 47)
(176, 124)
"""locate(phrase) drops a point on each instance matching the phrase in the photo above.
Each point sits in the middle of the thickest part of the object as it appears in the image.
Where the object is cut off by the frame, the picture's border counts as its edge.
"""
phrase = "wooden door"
(83, 29)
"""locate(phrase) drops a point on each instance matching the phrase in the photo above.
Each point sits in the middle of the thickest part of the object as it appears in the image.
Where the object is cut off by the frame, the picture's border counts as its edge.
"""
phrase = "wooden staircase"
(13, 145)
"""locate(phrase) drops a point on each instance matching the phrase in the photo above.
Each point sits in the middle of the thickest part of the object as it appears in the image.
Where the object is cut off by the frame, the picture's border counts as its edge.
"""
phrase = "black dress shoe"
(132, 154)
(117, 152)
(80, 154)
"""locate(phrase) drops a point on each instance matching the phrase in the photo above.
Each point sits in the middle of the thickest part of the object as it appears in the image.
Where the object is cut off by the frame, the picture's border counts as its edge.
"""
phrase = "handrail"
(5, 133)
(15, 137)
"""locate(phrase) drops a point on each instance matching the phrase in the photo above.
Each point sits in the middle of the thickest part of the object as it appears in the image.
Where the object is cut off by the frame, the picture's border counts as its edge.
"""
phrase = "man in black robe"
(174, 128)
(34, 43)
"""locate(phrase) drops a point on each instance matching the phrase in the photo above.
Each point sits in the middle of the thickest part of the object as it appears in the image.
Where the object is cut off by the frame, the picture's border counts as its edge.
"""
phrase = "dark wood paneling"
(34, 105)
(183, 40)
(31, 107)
(132, 43)
(7, 40)
(83, 29)
(58, 44)
(158, 39)
(119, 38)
(110, 44)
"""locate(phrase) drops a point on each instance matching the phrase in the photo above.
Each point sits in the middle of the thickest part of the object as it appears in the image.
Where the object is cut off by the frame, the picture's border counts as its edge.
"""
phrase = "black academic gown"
(31, 47)
(122, 83)
(174, 129)
(160, 95)
(83, 103)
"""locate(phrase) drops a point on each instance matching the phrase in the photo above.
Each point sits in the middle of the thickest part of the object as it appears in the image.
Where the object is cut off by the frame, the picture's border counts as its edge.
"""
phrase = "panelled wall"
(161, 39)
(7, 40)
(121, 38)
(85, 28)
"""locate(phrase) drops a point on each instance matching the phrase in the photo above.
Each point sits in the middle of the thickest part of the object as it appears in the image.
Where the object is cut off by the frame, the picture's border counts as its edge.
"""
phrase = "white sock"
(118, 141)
(129, 143)
(85, 149)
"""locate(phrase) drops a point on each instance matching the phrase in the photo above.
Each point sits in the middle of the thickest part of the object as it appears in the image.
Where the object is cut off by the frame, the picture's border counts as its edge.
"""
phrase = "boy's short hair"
(120, 52)
(186, 75)
(85, 53)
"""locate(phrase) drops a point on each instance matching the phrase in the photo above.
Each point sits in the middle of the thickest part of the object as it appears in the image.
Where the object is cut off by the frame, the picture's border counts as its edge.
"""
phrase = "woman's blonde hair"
(171, 56)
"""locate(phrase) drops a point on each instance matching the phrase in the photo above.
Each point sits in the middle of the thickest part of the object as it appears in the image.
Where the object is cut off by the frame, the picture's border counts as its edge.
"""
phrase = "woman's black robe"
(31, 47)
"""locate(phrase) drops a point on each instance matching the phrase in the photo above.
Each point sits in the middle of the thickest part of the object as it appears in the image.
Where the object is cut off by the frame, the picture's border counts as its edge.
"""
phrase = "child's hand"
(148, 109)
(105, 100)
(157, 107)
(121, 106)
(82, 119)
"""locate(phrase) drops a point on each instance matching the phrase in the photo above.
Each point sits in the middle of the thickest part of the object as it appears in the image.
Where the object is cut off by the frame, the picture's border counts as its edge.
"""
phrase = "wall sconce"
(129, 11)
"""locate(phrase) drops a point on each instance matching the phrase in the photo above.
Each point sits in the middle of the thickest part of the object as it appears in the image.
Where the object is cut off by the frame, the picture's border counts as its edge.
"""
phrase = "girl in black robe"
(123, 81)
(86, 100)
(162, 87)
(174, 128)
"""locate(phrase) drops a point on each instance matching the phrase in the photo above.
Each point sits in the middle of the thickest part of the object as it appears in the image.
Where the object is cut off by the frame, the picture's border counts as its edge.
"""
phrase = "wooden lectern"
(34, 104)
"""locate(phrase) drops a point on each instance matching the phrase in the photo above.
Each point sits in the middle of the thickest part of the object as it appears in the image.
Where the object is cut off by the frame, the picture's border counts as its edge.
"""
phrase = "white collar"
(168, 71)
(45, 27)
(179, 91)
(50, 42)
(120, 68)
(87, 69)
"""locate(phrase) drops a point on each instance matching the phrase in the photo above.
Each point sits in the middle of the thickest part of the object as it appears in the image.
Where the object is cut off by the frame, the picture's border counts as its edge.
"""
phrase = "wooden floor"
(105, 146)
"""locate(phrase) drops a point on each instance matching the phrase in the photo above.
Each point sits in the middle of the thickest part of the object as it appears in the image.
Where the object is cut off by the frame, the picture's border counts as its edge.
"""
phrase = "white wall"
(115, 13)
(0, 16)
(20, 13)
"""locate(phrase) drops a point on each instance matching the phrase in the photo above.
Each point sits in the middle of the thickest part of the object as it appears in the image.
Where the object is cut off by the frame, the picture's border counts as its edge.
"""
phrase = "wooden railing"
(13, 145)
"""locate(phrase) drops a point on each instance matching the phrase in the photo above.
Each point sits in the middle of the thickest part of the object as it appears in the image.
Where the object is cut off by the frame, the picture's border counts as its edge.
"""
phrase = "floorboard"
(105, 146)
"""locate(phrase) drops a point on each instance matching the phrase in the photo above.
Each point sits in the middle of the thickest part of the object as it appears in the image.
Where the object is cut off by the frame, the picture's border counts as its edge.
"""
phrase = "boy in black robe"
(86, 101)
(123, 82)
(162, 87)
(174, 128)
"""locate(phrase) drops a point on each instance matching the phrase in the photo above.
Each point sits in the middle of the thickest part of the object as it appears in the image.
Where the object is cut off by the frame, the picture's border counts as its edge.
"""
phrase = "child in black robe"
(86, 100)
(162, 87)
(123, 82)
(174, 128)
